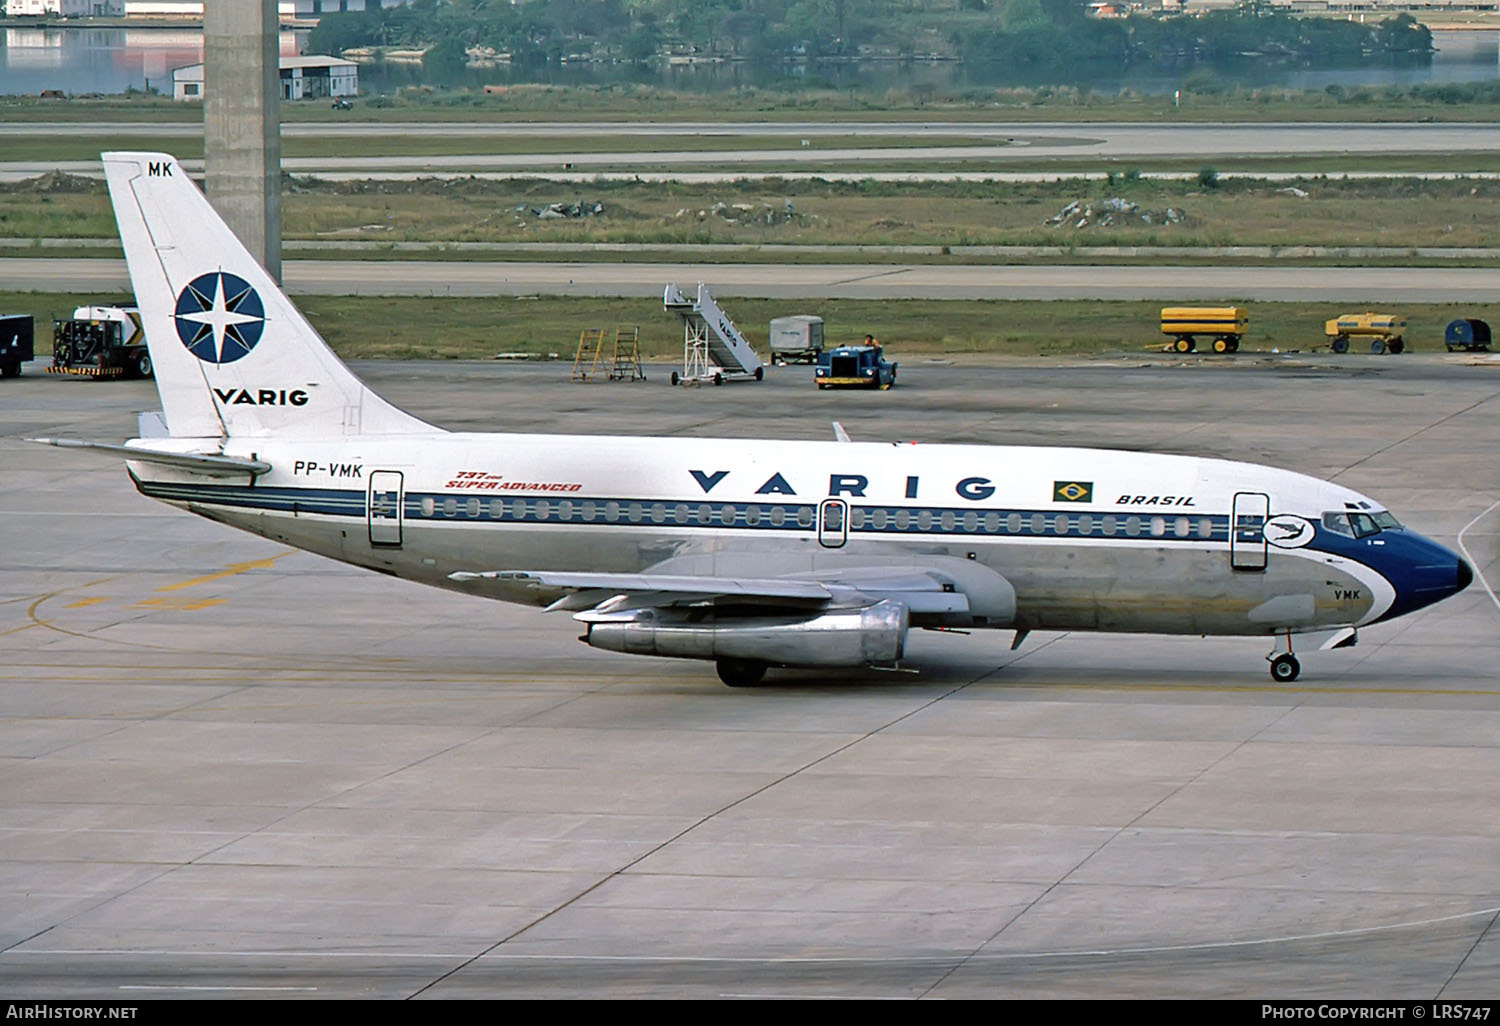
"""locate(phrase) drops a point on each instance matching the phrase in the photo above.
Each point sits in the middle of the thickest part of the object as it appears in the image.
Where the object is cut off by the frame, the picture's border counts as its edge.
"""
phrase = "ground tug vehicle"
(854, 367)
(101, 342)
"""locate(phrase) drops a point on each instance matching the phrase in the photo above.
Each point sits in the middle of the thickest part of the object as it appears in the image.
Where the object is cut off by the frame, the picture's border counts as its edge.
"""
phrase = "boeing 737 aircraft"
(752, 554)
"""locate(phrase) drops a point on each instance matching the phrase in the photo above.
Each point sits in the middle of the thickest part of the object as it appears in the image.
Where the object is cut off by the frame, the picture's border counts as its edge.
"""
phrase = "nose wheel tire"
(1285, 669)
(740, 673)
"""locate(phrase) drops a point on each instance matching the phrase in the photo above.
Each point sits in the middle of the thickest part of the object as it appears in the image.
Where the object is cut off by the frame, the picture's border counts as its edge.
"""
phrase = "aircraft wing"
(921, 590)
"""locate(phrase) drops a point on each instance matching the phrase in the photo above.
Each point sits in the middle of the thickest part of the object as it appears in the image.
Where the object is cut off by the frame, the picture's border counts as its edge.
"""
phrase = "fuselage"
(1090, 539)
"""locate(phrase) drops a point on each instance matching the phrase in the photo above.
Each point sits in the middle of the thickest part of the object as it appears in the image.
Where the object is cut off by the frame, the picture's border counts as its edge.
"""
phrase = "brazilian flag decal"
(1072, 491)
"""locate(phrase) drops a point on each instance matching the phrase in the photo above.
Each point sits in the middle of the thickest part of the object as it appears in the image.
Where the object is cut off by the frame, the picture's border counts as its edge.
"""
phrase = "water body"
(102, 60)
(114, 60)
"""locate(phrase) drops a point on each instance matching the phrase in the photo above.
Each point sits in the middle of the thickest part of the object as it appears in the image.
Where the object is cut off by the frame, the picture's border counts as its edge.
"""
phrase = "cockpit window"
(1338, 523)
(1360, 525)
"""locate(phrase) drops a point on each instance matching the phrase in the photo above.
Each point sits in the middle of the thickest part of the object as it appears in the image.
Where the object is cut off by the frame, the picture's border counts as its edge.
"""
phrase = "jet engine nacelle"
(867, 636)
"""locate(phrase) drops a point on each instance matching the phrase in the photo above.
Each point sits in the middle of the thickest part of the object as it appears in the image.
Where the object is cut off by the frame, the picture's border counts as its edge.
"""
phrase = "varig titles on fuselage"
(975, 488)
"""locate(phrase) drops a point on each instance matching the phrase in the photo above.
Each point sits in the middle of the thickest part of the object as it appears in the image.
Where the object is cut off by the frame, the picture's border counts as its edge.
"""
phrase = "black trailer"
(17, 341)
(1467, 334)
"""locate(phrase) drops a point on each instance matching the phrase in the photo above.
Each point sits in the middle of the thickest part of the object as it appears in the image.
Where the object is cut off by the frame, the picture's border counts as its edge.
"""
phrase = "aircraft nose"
(1422, 571)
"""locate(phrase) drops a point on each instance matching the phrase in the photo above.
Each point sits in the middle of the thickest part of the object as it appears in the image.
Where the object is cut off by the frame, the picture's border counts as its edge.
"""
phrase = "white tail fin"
(232, 355)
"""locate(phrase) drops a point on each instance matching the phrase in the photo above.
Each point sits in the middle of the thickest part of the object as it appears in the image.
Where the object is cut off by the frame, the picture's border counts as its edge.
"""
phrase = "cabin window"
(728, 514)
(1085, 524)
(1110, 525)
(856, 518)
(752, 515)
(1182, 527)
(680, 513)
(472, 507)
(565, 510)
(429, 506)
(805, 516)
(518, 509)
(1038, 523)
(1205, 527)
(971, 521)
(1158, 527)
(992, 522)
(1013, 523)
(1133, 526)
(949, 520)
(705, 514)
(497, 508)
(588, 511)
(1061, 523)
(611, 511)
(450, 507)
(903, 519)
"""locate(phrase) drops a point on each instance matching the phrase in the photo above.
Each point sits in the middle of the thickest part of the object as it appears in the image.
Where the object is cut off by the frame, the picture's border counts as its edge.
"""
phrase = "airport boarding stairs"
(713, 348)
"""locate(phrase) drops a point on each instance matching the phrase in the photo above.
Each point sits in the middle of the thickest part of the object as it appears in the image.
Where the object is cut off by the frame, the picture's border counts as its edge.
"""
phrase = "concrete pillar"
(242, 122)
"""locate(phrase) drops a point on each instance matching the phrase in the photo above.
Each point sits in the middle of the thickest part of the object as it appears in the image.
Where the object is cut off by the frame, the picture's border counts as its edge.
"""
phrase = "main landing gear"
(741, 673)
(1284, 665)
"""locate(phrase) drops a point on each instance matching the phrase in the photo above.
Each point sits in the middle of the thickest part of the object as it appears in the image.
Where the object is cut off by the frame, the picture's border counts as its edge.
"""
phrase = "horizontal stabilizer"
(212, 464)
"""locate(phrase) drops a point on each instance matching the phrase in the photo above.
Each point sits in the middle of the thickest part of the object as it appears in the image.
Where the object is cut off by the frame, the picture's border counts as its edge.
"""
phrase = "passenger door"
(384, 508)
(1247, 530)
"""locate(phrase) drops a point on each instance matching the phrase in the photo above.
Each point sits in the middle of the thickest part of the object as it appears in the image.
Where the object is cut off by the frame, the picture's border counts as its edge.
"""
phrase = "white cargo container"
(796, 339)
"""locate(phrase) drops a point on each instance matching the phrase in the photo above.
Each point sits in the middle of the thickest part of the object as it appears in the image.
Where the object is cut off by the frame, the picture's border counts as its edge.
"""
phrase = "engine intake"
(867, 636)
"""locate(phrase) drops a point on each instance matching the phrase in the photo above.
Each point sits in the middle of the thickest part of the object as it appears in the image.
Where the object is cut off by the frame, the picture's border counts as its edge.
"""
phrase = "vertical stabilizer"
(232, 355)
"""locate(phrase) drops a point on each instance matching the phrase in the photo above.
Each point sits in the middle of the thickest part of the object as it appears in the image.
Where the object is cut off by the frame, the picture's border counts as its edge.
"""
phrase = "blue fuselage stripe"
(867, 520)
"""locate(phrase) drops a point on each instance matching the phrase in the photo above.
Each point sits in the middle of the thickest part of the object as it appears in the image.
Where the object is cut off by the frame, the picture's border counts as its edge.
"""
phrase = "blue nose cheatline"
(1420, 570)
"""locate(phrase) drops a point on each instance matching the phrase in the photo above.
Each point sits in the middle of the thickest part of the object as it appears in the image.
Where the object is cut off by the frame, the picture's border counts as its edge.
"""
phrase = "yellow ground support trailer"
(1385, 332)
(1226, 325)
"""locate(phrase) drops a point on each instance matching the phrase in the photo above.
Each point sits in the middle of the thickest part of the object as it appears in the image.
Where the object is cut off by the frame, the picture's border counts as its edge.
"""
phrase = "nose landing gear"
(1284, 665)
(1285, 668)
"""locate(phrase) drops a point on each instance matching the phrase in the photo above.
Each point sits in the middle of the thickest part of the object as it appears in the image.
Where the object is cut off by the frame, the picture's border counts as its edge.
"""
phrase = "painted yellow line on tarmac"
(166, 603)
(229, 571)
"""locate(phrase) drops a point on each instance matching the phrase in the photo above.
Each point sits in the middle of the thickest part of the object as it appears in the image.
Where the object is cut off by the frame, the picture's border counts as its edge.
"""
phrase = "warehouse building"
(302, 78)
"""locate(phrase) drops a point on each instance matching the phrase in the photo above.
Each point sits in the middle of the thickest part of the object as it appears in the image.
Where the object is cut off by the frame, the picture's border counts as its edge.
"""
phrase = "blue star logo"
(219, 317)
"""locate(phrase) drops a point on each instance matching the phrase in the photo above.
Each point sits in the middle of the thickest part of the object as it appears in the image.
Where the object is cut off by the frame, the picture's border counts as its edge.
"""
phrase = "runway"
(231, 770)
(950, 142)
(816, 281)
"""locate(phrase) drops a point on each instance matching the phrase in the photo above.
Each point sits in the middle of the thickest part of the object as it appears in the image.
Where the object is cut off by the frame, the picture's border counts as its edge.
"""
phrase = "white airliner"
(752, 554)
